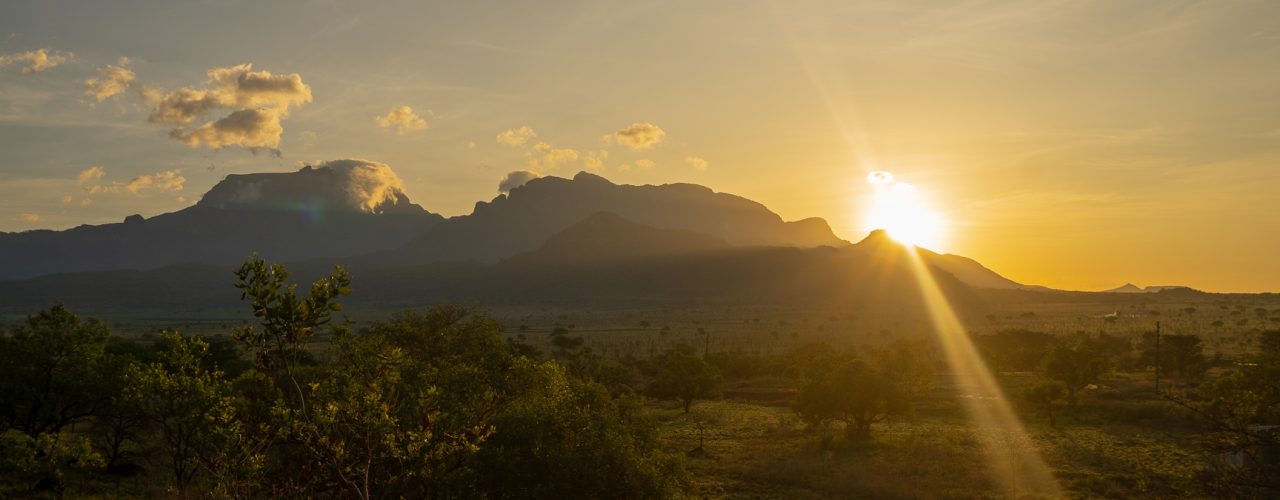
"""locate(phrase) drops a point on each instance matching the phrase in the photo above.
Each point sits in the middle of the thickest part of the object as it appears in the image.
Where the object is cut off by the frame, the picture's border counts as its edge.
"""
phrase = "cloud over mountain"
(515, 179)
(349, 185)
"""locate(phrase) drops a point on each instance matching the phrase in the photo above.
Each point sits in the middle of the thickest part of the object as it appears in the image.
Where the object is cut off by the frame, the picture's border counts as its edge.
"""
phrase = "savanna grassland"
(706, 401)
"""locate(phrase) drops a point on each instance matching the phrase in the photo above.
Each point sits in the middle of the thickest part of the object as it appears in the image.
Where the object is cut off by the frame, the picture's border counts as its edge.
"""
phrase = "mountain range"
(551, 239)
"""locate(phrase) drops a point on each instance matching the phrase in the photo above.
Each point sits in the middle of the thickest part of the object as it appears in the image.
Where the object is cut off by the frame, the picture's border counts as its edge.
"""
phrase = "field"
(1123, 440)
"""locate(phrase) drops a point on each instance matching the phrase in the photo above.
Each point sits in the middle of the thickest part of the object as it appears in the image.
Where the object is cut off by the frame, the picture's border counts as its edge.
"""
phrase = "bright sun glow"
(898, 209)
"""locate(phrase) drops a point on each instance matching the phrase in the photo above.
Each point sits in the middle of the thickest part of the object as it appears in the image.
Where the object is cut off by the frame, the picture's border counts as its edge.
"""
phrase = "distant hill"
(340, 209)
(1132, 288)
(552, 239)
(522, 220)
(964, 269)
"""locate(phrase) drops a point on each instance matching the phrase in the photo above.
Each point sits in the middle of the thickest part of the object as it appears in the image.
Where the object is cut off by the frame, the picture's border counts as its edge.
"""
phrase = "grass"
(759, 449)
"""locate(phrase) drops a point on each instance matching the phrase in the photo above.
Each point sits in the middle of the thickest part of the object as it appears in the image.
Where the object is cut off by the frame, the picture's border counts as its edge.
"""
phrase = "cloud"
(645, 164)
(111, 81)
(36, 60)
(594, 160)
(167, 180)
(367, 184)
(350, 184)
(28, 217)
(551, 157)
(90, 174)
(250, 128)
(515, 137)
(640, 136)
(515, 179)
(403, 119)
(260, 101)
(697, 162)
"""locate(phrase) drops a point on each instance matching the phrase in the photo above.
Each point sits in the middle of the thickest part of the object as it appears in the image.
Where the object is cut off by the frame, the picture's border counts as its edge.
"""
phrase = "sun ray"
(1012, 455)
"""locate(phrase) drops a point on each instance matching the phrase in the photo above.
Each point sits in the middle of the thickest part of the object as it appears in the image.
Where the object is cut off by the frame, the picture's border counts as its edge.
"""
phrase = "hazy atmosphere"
(1077, 145)
(329, 249)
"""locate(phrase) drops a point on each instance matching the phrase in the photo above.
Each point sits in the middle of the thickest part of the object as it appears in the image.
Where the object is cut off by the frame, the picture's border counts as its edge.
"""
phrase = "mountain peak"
(339, 185)
(879, 237)
(585, 176)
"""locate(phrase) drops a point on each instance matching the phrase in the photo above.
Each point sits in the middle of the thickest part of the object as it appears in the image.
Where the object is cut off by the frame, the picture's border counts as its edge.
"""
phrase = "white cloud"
(111, 81)
(251, 128)
(28, 217)
(368, 184)
(260, 101)
(551, 157)
(645, 164)
(403, 119)
(697, 162)
(167, 180)
(594, 160)
(640, 136)
(516, 136)
(90, 174)
(515, 179)
(36, 60)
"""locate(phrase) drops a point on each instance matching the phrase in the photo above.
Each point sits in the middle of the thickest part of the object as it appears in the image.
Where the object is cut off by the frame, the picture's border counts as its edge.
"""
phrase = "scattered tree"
(683, 376)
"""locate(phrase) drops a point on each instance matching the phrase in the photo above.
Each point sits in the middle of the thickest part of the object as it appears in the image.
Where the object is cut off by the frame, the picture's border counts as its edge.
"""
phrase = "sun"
(898, 208)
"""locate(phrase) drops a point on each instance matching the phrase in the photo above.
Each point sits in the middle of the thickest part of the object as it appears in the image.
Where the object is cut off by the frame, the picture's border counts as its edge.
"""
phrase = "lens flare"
(898, 208)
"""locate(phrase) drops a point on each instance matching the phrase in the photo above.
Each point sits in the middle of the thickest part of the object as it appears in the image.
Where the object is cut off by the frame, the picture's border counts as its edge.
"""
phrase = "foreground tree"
(188, 402)
(54, 372)
(1243, 407)
(566, 437)
(47, 458)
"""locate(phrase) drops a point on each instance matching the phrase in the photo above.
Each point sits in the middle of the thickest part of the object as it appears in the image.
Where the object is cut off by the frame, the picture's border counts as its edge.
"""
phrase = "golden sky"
(1079, 144)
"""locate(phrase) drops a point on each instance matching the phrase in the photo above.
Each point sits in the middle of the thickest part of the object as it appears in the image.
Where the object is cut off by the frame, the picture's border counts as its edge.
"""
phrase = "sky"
(1073, 144)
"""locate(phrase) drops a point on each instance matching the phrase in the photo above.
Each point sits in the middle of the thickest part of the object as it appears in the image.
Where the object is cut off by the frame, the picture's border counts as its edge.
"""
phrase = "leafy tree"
(1183, 355)
(1243, 407)
(47, 458)
(853, 392)
(1043, 394)
(907, 365)
(404, 401)
(681, 375)
(1076, 367)
(565, 437)
(1015, 350)
(286, 321)
(54, 371)
(187, 402)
